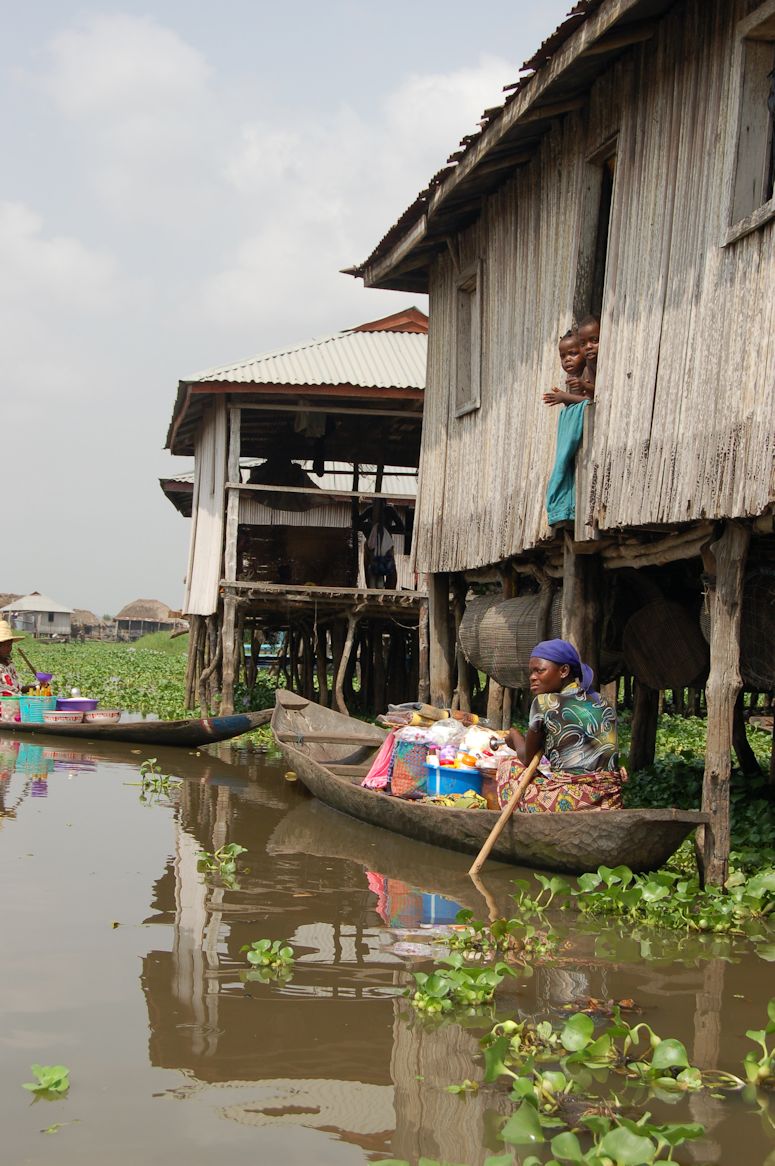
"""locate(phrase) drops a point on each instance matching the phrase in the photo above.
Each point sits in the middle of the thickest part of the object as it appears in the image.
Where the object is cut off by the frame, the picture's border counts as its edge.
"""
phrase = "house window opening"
(468, 340)
(592, 258)
(753, 177)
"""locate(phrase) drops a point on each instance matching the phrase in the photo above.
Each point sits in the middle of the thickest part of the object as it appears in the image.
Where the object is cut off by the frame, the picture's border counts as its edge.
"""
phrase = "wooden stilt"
(228, 645)
(423, 655)
(644, 726)
(352, 624)
(321, 664)
(206, 688)
(378, 697)
(441, 656)
(463, 687)
(726, 560)
(746, 758)
(581, 603)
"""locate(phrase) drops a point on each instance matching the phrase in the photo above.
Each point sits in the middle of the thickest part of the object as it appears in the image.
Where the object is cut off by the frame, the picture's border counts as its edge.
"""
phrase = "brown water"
(120, 962)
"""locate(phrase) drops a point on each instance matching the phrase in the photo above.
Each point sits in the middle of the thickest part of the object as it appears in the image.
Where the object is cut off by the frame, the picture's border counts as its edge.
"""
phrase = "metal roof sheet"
(35, 601)
(377, 360)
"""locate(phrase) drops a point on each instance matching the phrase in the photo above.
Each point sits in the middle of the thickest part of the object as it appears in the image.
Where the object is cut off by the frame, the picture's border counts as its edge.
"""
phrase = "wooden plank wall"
(685, 411)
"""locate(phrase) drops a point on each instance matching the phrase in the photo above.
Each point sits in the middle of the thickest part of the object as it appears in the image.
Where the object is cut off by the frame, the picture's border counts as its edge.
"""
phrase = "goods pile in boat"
(40, 705)
(447, 757)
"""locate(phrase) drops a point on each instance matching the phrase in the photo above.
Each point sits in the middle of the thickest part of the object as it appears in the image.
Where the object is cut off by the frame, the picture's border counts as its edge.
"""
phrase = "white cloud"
(115, 63)
(54, 294)
(320, 195)
(53, 271)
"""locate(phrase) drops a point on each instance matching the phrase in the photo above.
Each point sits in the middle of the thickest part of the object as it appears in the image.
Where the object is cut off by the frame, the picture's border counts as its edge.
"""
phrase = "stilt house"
(293, 452)
(628, 173)
(39, 616)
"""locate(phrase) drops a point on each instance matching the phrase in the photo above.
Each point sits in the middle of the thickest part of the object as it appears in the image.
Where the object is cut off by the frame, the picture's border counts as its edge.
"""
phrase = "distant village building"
(300, 454)
(39, 616)
(628, 174)
(142, 617)
(89, 626)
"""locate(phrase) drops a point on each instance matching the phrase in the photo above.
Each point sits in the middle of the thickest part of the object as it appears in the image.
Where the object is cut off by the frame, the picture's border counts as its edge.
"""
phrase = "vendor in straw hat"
(10, 685)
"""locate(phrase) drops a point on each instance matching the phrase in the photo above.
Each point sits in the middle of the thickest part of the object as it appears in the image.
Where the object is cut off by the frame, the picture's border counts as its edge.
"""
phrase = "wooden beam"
(311, 492)
(228, 654)
(631, 34)
(264, 389)
(441, 655)
(729, 554)
(335, 410)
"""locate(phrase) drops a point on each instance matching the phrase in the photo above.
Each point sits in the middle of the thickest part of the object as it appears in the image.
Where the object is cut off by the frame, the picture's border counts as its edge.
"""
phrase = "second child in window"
(589, 342)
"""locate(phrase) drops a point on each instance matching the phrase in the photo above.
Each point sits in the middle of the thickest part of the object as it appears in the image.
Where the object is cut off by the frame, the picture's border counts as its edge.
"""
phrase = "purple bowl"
(44, 677)
(81, 704)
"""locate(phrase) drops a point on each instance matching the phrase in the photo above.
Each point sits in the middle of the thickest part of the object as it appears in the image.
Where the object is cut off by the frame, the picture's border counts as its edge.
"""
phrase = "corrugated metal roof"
(35, 601)
(378, 360)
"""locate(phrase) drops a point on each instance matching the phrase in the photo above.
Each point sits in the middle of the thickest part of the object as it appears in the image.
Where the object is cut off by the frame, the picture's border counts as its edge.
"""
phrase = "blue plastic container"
(32, 708)
(437, 909)
(444, 779)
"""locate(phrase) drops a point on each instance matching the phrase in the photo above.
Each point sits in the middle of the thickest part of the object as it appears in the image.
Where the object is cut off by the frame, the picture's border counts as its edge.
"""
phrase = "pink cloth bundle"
(379, 774)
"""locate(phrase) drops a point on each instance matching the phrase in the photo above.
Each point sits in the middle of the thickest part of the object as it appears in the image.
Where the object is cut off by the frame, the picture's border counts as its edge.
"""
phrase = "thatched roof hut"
(141, 617)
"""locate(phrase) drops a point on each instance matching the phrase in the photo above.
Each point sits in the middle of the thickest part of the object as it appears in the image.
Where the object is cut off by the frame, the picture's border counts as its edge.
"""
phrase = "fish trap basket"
(757, 631)
(407, 769)
(32, 708)
(497, 634)
(664, 646)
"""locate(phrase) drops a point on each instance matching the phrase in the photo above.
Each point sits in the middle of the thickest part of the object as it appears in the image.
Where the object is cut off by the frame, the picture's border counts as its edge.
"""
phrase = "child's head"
(571, 356)
(589, 339)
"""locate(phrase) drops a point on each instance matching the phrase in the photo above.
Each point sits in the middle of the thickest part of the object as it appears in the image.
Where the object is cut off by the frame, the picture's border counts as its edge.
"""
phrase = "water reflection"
(337, 1049)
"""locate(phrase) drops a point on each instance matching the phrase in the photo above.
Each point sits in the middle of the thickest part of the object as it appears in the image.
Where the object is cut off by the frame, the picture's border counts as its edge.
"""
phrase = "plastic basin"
(446, 779)
(78, 704)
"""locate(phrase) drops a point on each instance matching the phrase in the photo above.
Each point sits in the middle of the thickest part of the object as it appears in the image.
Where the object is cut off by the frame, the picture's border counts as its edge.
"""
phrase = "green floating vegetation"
(222, 862)
(270, 959)
(52, 1080)
(452, 985)
(148, 676)
(154, 784)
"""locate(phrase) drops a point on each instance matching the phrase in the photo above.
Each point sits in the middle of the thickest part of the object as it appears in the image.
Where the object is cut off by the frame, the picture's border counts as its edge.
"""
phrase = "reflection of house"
(142, 617)
(628, 173)
(39, 616)
(290, 449)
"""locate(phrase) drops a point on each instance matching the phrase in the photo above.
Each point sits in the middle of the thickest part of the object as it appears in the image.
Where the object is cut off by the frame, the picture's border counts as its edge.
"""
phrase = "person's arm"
(563, 397)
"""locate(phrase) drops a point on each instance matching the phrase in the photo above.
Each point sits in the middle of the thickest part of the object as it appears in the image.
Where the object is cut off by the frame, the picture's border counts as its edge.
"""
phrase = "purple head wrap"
(561, 652)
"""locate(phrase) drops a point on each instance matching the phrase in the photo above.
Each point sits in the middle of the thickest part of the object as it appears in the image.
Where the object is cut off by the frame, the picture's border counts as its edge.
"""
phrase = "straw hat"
(7, 632)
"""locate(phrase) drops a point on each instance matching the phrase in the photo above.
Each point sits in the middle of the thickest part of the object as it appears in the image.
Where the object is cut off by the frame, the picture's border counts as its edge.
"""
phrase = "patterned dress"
(581, 753)
(10, 685)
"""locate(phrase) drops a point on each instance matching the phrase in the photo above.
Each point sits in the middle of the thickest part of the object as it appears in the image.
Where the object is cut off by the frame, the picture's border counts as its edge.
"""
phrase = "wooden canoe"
(188, 734)
(330, 755)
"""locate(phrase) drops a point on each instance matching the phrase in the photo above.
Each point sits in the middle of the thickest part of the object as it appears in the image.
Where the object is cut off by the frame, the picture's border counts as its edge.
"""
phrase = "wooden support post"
(441, 655)
(352, 624)
(423, 655)
(228, 640)
(644, 726)
(746, 758)
(509, 589)
(581, 603)
(726, 559)
(463, 688)
(378, 695)
(321, 664)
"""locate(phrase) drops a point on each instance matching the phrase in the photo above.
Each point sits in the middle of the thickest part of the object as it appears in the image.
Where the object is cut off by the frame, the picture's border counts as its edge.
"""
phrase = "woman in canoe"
(10, 685)
(575, 729)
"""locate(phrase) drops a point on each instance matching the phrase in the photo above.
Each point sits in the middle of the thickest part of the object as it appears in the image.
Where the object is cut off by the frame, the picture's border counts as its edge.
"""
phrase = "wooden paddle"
(505, 814)
(27, 662)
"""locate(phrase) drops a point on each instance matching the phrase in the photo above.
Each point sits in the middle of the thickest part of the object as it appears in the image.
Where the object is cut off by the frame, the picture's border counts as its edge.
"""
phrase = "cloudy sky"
(181, 183)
